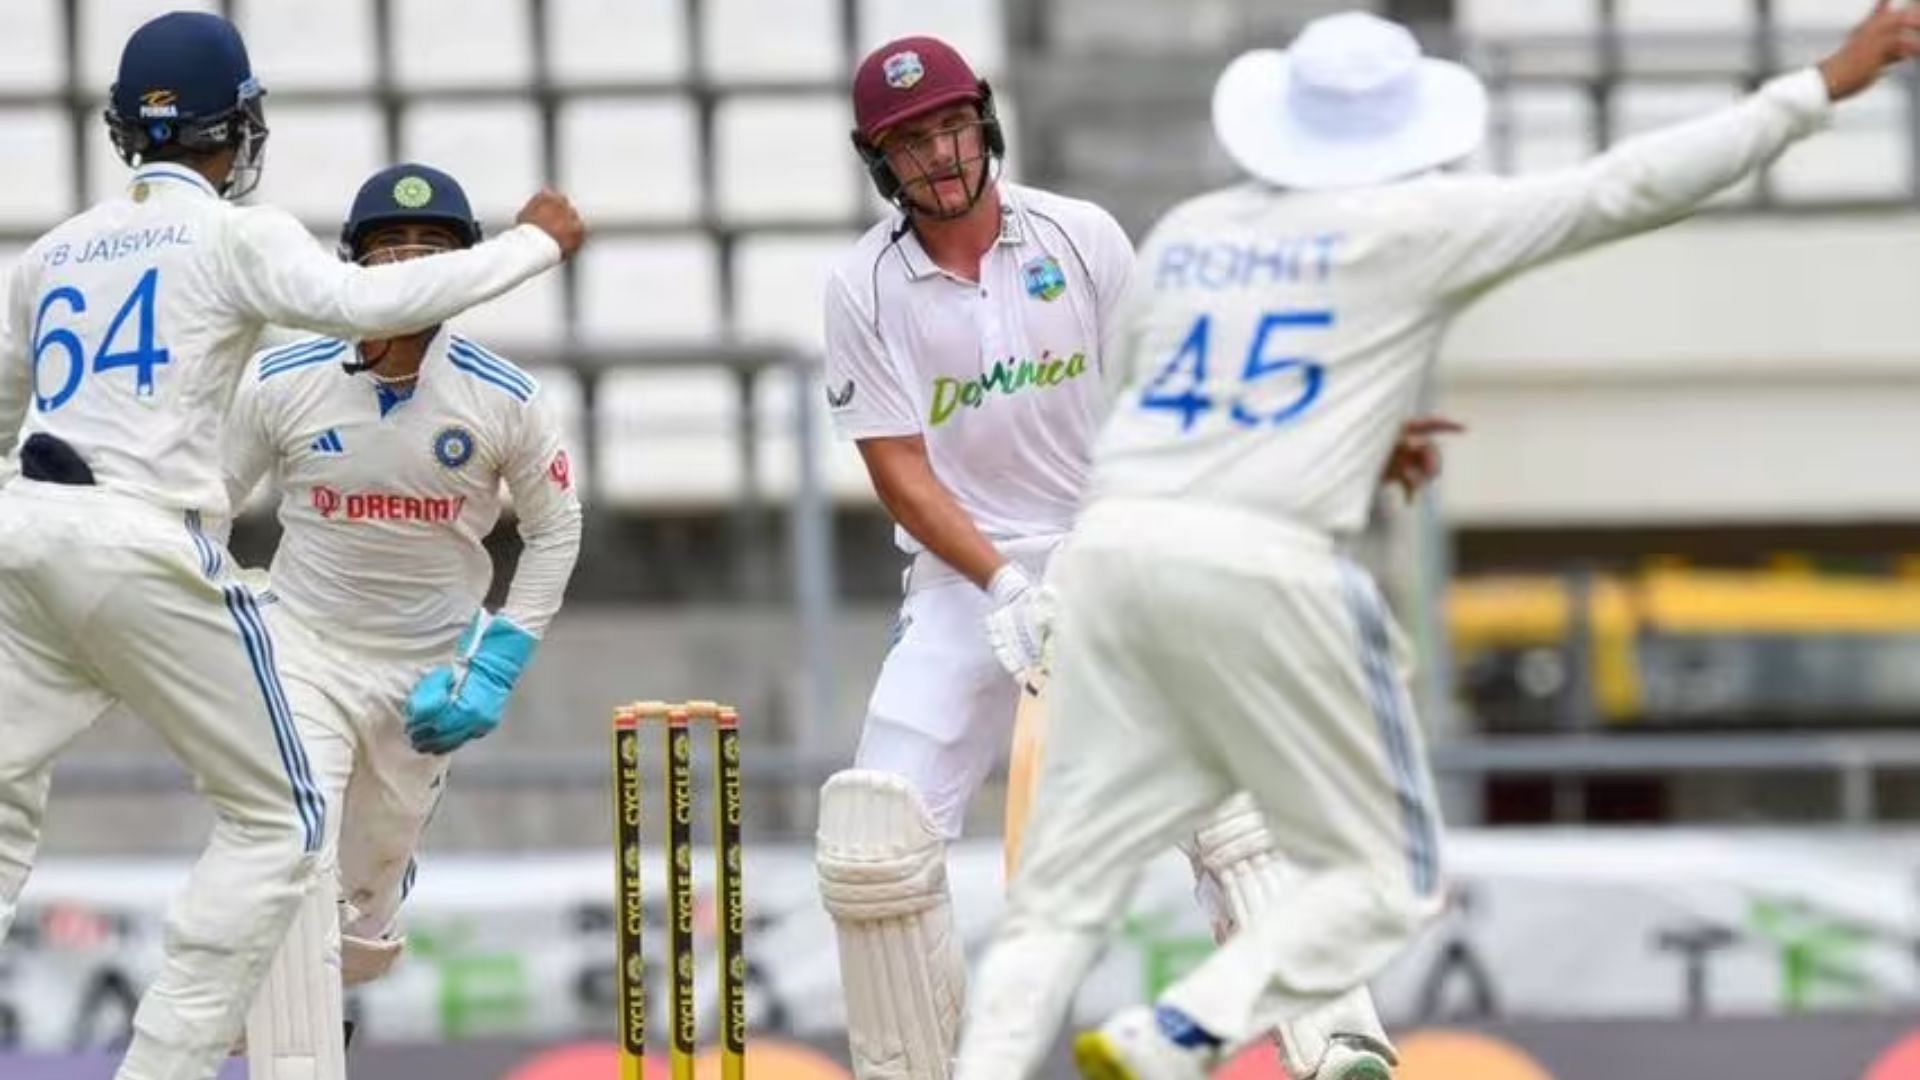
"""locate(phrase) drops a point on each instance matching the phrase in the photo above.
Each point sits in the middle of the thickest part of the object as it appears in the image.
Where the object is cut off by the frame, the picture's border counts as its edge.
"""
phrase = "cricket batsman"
(125, 331)
(968, 357)
(390, 457)
(1211, 636)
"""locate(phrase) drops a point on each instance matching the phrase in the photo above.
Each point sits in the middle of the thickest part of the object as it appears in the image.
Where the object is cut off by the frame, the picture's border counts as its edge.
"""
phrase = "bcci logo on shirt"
(1044, 278)
(453, 447)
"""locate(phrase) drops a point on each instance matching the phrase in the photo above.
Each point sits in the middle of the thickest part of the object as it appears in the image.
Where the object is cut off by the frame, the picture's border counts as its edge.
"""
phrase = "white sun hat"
(1353, 102)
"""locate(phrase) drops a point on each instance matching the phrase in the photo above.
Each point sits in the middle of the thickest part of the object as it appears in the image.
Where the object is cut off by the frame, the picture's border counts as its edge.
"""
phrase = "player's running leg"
(938, 721)
(388, 807)
(1314, 721)
(157, 620)
(1239, 872)
(1119, 784)
(883, 878)
(49, 699)
(1240, 875)
(295, 1026)
(224, 928)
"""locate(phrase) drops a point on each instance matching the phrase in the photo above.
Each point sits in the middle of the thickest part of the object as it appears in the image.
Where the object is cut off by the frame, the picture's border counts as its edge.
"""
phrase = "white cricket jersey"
(1002, 377)
(1280, 338)
(384, 501)
(127, 326)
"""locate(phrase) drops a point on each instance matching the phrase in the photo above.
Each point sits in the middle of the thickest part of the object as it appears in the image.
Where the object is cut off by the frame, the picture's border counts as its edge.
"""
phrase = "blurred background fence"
(1671, 577)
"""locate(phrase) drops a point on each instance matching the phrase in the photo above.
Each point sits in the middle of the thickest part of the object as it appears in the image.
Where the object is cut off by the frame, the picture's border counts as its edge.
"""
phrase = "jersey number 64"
(143, 358)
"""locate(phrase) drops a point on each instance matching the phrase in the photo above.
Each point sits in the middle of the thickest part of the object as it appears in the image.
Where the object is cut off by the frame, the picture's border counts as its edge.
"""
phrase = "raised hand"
(554, 215)
(1888, 35)
(1415, 460)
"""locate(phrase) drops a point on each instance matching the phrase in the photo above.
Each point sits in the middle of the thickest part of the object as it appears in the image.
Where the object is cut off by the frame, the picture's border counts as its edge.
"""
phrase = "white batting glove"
(1018, 625)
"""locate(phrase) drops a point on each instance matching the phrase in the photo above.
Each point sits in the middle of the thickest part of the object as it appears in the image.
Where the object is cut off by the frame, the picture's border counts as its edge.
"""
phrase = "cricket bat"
(1023, 769)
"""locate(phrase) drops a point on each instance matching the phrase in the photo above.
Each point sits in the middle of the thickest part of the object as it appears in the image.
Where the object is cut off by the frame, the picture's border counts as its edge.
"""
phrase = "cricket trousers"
(1202, 651)
(105, 599)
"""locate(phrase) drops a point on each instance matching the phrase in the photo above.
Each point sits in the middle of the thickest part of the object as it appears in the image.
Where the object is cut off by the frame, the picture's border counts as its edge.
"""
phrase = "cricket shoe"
(1351, 1057)
(1144, 1043)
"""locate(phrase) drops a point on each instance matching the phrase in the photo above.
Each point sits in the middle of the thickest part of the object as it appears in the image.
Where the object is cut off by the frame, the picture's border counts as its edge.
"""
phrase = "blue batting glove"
(455, 704)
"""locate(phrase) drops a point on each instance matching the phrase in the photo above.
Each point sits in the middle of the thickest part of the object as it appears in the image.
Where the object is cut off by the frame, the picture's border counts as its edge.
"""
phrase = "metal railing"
(1855, 761)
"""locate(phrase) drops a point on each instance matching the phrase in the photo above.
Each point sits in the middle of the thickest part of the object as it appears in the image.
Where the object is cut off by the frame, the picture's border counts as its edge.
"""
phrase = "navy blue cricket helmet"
(185, 81)
(408, 194)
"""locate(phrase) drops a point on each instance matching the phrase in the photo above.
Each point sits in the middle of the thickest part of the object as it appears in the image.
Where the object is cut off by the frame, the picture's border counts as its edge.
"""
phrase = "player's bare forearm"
(1888, 35)
(919, 503)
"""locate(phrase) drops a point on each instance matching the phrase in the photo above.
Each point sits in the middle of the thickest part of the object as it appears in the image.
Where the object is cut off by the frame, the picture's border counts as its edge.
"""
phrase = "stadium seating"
(318, 156)
(627, 160)
(1544, 127)
(785, 160)
(39, 184)
(777, 282)
(103, 29)
(752, 41)
(610, 42)
(972, 26)
(721, 182)
(1517, 18)
(668, 439)
(31, 46)
(329, 46)
(526, 321)
(649, 290)
(461, 43)
(842, 472)
(492, 146)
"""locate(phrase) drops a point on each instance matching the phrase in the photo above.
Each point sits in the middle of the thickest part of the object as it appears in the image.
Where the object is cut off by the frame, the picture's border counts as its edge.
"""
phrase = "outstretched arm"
(278, 273)
(1485, 231)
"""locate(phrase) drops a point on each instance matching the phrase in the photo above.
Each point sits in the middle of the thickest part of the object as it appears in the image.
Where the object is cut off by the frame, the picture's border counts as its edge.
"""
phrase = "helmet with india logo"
(408, 194)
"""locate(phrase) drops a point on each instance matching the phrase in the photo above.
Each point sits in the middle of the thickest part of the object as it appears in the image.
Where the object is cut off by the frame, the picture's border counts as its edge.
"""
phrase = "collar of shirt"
(170, 174)
(1013, 233)
(391, 397)
(434, 358)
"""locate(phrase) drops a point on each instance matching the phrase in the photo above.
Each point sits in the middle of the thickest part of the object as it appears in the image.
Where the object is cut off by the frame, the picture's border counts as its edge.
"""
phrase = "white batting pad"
(883, 878)
(294, 1029)
(1241, 876)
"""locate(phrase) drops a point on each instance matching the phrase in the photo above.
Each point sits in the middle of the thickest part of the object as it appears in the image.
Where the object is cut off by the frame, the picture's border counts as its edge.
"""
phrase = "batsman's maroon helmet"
(909, 77)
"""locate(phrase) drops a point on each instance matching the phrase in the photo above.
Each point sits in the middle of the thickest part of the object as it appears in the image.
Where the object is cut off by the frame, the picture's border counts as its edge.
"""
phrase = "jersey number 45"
(1181, 386)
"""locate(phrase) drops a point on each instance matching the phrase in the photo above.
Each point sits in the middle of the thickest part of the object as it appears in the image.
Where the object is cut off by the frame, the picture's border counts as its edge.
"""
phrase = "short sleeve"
(864, 393)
